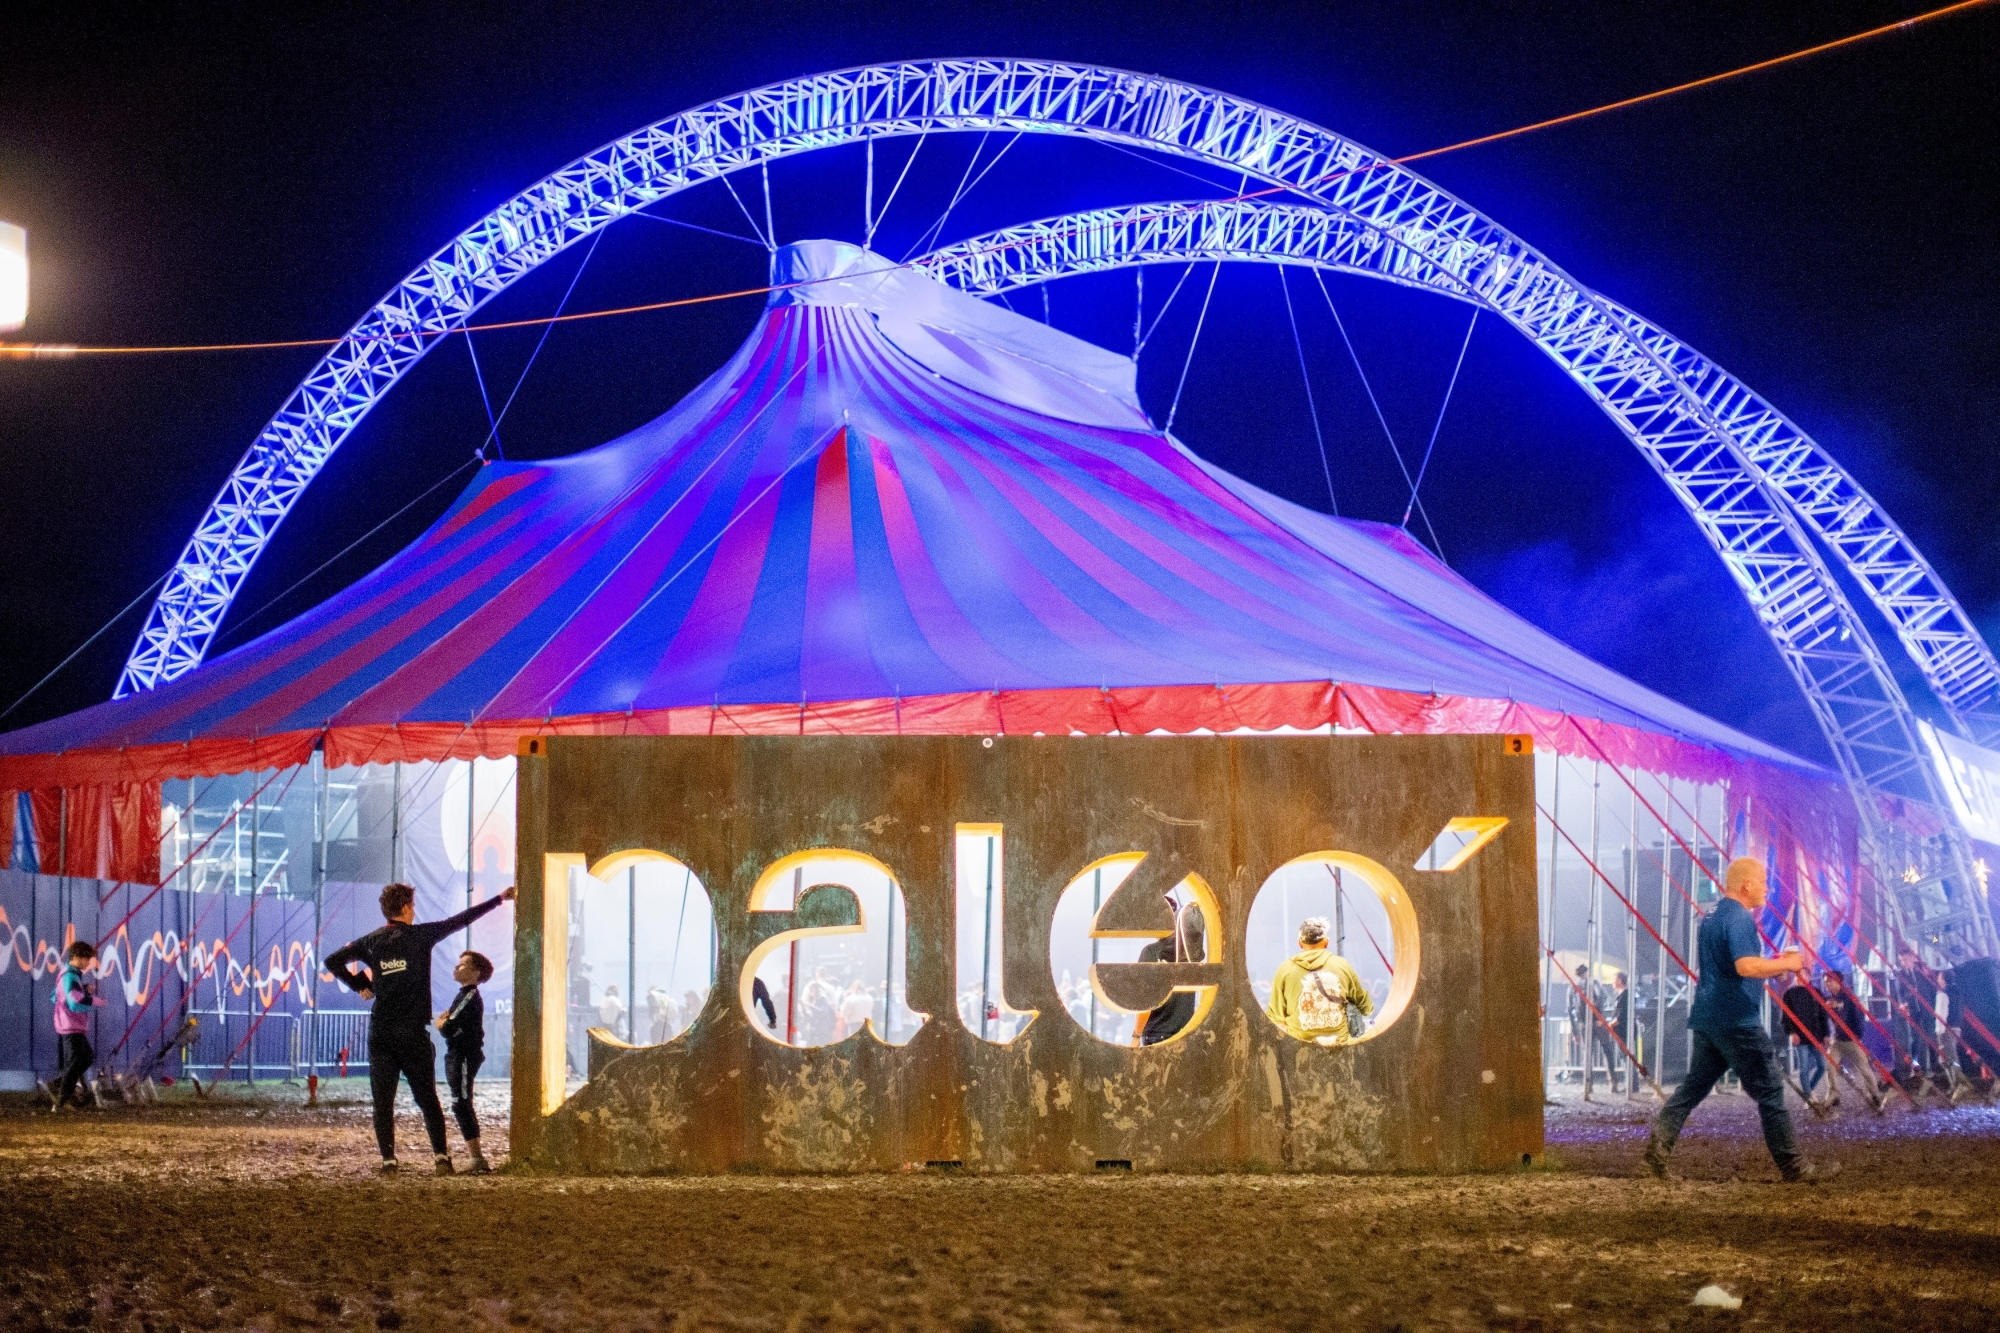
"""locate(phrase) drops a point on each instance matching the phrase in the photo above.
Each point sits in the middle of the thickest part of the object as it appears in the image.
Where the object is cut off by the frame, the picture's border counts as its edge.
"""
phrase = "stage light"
(13, 277)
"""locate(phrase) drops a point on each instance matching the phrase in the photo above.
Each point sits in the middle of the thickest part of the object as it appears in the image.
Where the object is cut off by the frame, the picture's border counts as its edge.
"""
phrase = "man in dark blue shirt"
(1726, 1029)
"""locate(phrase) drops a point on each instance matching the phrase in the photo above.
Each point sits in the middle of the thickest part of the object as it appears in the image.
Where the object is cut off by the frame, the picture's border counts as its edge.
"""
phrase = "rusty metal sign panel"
(972, 868)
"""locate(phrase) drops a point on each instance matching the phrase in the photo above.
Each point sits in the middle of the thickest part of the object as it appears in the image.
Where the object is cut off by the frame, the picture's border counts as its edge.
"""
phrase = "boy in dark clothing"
(398, 980)
(463, 1027)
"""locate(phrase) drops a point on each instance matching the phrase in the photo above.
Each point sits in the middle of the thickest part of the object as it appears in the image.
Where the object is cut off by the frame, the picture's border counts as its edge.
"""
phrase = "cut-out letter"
(1461, 838)
(981, 909)
(822, 988)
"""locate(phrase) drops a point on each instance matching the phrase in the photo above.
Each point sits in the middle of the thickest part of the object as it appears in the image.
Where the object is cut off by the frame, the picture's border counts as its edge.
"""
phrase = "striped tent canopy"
(896, 508)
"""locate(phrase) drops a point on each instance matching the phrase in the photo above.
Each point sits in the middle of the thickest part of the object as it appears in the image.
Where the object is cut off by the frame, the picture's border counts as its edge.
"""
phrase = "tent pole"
(889, 967)
(1667, 856)
(674, 963)
(320, 785)
(1339, 914)
(396, 821)
(1596, 931)
(471, 772)
(1549, 930)
(62, 858)
(792, 987)
(1632, 957)
(631, 953)
(1096, 901)
(24, 810)
(250, 972)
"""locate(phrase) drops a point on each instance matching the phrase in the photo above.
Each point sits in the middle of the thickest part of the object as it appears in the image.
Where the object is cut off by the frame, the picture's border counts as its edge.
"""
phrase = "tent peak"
(984, 347)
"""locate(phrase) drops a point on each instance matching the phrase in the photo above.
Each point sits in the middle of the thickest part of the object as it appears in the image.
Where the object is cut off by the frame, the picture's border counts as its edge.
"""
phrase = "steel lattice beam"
(1748, 477)
(1391, 222)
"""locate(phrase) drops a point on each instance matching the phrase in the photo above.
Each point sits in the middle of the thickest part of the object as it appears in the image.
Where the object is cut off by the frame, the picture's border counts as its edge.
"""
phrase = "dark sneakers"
(442, 1167)
(1813, 1173)
(388, 1167)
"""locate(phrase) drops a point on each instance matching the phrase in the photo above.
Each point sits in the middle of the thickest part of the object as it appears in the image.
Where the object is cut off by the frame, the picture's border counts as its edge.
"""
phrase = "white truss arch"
(1739, 497)
(1392, 223)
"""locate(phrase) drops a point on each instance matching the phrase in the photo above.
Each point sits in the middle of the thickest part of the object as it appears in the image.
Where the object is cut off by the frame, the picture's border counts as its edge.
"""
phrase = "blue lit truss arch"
(1753, 481)
(1747, 475)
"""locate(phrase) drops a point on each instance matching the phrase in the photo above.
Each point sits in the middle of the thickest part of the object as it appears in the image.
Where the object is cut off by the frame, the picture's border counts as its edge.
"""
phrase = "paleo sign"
(1448, 1079)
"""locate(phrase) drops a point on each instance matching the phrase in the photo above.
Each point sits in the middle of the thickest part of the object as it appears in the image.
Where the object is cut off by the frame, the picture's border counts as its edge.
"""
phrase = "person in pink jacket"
(74, 998)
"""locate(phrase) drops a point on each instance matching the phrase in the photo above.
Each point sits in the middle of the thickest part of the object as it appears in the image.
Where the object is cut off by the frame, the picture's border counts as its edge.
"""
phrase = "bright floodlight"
(13, 276)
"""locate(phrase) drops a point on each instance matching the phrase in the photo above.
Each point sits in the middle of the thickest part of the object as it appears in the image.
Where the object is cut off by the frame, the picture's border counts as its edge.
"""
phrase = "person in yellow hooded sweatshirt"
(1311, 990)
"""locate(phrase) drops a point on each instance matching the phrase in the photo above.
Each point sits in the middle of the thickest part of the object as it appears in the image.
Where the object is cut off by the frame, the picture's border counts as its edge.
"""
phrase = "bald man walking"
(1726, 1029)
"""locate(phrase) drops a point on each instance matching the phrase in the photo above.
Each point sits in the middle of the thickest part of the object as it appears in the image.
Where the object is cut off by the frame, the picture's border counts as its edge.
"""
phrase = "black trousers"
(74, 1054)
(459, 1071)
(1748, 1052)
(1602, 1043)
(407, 1054)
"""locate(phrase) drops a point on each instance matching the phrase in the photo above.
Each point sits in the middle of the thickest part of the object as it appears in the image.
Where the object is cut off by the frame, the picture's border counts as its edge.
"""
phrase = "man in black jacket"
(1601, 1042)
(1188, 944)
(1808, 1027)
(398, 980)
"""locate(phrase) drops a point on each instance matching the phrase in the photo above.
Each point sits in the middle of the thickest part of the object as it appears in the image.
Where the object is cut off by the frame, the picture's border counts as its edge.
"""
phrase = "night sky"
(222, 173)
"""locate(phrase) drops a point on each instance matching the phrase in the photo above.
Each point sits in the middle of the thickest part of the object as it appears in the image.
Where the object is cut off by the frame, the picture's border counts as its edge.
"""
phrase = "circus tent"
(897, 508)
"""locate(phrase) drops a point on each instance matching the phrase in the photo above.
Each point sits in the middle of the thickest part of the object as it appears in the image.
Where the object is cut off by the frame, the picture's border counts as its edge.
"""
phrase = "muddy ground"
(265, 1215)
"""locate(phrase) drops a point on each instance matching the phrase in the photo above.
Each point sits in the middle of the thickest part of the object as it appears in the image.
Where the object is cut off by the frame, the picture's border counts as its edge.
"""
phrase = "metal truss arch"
(1749, 477)
(1396, 224)
(746, 130)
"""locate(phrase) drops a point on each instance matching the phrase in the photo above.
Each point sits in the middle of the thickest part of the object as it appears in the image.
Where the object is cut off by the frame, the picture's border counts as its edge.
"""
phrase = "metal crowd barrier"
(326, 1033)
(219, 1049)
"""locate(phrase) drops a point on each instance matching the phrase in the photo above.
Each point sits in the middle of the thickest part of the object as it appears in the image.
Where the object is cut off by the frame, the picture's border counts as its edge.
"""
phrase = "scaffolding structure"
(1632, 861)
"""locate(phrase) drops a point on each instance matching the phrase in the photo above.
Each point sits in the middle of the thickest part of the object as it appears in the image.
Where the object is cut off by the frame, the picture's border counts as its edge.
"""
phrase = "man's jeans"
(1812, 1065)
(1712, 1054)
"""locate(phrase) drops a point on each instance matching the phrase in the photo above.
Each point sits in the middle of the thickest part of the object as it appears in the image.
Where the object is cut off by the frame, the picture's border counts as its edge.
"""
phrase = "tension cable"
(540, 343)
(695, 226)
(875, 219)
(492, 422)
(1424, 466)
(761, 235)
(1154, 327)
(241, 624)
(1311, 407)
(1215, 271)
(1369, 389)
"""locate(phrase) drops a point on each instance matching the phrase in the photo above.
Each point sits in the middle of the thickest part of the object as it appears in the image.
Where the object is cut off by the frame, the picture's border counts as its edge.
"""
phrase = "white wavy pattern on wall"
(138, 966)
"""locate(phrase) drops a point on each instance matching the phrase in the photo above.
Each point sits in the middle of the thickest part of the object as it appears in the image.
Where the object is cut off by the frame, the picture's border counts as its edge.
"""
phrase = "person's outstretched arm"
(433, 931)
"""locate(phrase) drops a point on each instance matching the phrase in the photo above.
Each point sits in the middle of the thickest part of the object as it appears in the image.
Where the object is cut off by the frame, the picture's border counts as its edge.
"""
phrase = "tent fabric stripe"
(837, 524)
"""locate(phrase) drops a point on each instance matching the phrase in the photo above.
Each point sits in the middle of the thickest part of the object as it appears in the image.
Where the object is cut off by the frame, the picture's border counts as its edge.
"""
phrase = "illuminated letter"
(1376, 932)
(556, 867)
(783, 887)
(1116, 912)
(981, 912)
